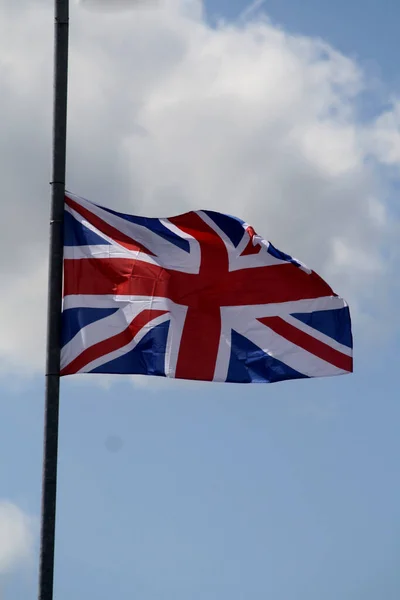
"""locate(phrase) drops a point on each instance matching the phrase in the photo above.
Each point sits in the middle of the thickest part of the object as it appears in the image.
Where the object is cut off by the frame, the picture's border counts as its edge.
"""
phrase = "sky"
(287, 115)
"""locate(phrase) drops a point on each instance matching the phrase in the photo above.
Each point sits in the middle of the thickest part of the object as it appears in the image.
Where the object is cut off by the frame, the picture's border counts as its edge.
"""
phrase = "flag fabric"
(198, 296)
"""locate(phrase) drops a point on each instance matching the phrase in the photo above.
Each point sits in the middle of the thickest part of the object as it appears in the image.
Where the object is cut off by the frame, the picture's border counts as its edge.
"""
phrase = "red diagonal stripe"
(309, 343)
(104, 227)
(251, 248)
(113, 343)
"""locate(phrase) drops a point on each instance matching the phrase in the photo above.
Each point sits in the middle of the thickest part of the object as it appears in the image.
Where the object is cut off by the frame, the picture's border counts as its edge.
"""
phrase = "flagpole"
(52, 393)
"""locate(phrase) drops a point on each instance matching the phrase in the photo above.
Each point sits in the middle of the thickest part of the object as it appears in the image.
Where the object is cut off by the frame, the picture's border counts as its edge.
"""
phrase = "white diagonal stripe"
(318, 335)
(282, 349)
(166, 253)
(124, 349)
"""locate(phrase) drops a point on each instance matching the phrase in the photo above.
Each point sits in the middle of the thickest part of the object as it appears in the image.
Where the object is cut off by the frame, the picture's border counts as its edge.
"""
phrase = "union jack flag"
(198, 296)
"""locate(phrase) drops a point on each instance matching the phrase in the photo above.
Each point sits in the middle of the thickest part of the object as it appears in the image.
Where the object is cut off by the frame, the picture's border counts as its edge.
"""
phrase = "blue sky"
(366, 30)
(167, 491)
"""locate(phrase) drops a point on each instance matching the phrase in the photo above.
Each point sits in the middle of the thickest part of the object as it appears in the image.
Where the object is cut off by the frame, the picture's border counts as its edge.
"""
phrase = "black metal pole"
(49, 490)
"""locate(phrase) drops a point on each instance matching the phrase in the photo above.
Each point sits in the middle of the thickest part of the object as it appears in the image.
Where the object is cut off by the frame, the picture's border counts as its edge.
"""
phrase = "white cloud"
(168, 113)
(113, 5)
(16, 536)
(385, 136)
(23, 328)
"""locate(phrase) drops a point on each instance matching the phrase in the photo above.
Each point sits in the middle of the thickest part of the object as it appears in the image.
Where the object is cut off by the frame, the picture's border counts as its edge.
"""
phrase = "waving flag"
(197, 296)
